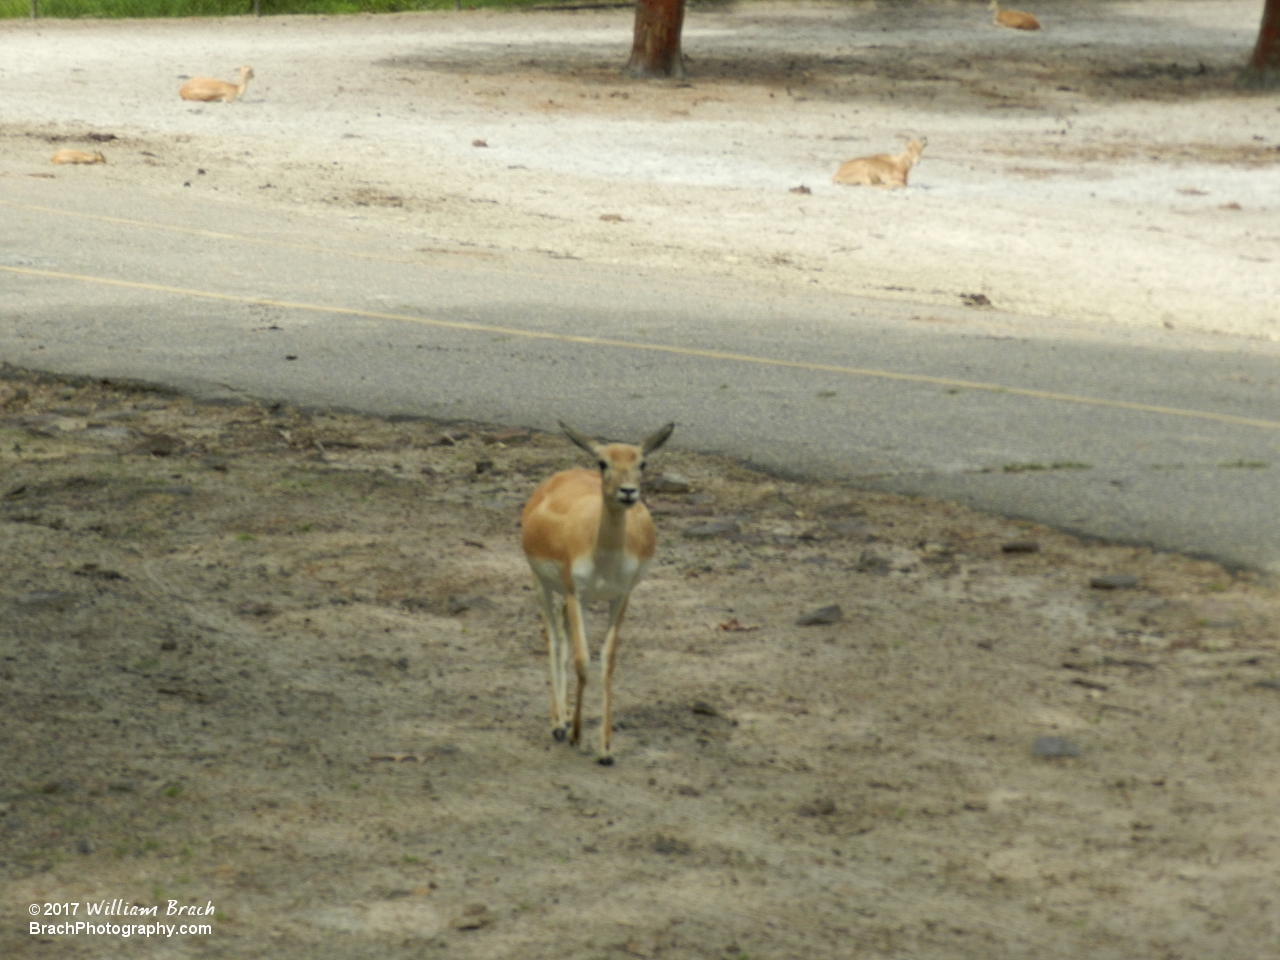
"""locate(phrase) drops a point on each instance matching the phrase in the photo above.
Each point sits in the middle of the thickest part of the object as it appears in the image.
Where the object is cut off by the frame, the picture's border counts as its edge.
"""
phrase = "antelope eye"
(642, 464)
(604, 465)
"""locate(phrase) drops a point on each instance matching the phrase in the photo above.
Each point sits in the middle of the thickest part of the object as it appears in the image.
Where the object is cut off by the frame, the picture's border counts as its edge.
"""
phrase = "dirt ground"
(290, 664)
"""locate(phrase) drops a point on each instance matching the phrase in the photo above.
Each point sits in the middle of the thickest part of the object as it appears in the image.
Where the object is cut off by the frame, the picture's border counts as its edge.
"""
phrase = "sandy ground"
(285, 662)
(1103, 171)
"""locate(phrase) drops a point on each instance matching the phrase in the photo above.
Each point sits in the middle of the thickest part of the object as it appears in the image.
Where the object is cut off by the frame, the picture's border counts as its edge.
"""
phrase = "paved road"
(1172, 442)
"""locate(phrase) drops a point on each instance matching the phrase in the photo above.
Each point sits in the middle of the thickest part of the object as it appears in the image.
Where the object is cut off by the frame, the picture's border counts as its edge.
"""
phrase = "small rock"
(1114, 581)
(819, 808)
(712, 528)
(671, 482)
(704, 708)
(252, 608)
(47, 600)
(1020, 546)
(484, 466)
(975, 299)
(821, 616)
(1055, 747)
(479, 143)
(802, 189)
(85, 846)
(160, 445)
(612, 218)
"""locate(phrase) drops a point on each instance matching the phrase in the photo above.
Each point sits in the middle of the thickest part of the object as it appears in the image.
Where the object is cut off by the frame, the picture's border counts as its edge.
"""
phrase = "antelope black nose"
(628, 495)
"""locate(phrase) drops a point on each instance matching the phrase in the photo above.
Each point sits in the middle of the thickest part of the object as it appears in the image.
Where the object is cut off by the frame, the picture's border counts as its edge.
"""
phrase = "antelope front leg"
(581, 657)
(607, 657)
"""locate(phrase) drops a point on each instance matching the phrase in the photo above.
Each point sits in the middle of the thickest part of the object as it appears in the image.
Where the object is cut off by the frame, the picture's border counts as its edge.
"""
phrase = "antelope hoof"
(605, 761)
(558, 733)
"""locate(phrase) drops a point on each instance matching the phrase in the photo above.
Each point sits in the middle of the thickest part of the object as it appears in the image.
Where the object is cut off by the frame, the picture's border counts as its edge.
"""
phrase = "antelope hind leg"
(557, 643)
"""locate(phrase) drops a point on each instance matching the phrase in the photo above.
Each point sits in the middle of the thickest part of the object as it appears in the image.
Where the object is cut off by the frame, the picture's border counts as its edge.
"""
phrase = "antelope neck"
(612, 534)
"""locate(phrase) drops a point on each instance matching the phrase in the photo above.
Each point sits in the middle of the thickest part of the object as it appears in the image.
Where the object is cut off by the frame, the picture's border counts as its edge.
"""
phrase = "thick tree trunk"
(1264, 65)
(655, 52)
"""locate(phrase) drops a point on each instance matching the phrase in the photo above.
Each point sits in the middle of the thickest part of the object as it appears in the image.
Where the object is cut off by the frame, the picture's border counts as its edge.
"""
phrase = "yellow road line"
(237, 237)
(661, 348)
(474, 261)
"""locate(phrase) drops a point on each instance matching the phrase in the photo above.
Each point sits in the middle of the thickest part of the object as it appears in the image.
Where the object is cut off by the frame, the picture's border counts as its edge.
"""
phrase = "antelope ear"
(657, 438)
(585, 442)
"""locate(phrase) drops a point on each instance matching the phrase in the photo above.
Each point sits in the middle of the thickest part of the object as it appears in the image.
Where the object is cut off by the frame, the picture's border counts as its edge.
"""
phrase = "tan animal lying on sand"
(77, 156)
(1015, 19)
(204, 88)
(882, 170)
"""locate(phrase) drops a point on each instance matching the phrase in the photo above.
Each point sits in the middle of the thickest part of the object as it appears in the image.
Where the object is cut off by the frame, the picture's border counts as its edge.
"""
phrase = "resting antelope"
(882, 170)
(205, 88)
(1014, 19)
(588, 537)
(78, 156)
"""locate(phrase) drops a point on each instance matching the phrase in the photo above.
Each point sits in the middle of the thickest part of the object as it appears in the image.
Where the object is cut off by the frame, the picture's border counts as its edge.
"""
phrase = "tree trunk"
(1264, 66)
(655, 52)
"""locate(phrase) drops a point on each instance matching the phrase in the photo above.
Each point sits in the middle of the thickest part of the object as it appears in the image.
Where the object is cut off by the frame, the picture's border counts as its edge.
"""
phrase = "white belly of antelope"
(606, 576)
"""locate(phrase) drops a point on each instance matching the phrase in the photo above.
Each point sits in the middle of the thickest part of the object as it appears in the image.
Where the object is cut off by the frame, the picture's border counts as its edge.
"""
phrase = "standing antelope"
(588, 537)
(206, 88)
(1014, 19)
